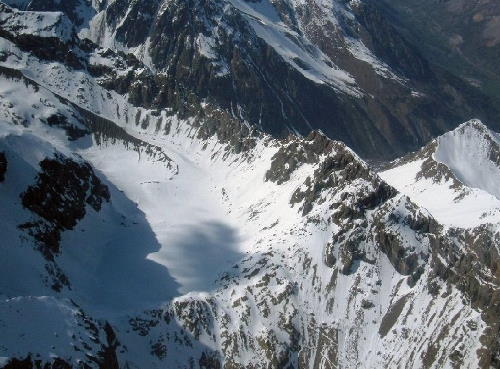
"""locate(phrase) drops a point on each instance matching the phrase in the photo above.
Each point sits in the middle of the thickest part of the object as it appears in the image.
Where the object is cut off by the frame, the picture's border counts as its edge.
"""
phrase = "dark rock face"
(63, 190)
(133, 31)
(240, 138)
(29, 363)
(3, 166)
(106, 357)
(392, 316)
(251, 82)
(462, 36)
(60, 121)
(390, 46)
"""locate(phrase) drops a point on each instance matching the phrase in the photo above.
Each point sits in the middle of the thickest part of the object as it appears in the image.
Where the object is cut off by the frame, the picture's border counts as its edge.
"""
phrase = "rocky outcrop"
(475, 269)
(3, 166)
(296, 152)
(63, 190)
(339, 169)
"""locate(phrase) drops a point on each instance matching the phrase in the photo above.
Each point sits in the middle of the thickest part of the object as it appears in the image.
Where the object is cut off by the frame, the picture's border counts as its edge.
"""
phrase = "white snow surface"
(465, 151)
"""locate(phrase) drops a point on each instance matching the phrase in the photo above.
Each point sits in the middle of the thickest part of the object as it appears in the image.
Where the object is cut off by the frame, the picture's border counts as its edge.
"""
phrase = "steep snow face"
(101, 260)
(448, 205)
(456, 176)
(472, 152)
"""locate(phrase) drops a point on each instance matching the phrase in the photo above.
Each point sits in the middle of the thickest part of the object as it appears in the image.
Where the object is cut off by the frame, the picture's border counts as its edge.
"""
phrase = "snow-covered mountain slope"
(276, 22)
(284, 66)
(41, 210)
(53, 24)
(324, 264)
(136, 235)
(472, 152)
(456, 176)
(164, 243)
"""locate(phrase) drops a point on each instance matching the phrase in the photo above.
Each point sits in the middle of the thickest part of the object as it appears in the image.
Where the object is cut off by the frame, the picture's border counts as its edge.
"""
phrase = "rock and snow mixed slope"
(136, 237)
(284, 66)
(315, 261)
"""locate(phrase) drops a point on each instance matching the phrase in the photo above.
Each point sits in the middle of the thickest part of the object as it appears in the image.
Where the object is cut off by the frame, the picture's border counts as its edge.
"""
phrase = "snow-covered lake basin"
(184, 211)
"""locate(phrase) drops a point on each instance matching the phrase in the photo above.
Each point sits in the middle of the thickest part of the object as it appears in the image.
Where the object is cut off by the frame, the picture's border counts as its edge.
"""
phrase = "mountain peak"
(472, 153)
(473, 124)
(459, 170)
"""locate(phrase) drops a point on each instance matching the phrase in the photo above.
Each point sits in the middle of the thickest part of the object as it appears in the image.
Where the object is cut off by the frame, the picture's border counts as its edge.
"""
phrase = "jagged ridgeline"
(160, 207)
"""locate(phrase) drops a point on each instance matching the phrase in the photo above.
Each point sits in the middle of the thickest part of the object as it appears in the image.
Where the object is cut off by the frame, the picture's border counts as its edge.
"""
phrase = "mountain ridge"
(196, 315)
(198, 240)
(396, 107)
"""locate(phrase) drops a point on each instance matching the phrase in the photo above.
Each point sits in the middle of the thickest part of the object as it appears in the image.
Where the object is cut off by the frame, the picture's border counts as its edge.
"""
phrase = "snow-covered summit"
(472, 153)
(455, 176)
